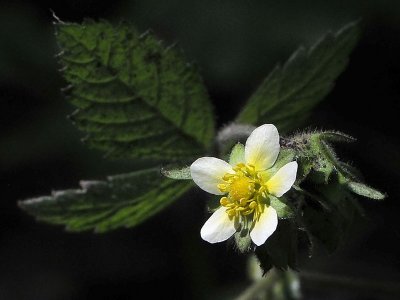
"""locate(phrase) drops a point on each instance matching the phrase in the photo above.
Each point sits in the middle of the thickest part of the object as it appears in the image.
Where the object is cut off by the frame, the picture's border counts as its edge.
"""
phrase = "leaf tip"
(22, 204)
(56, 19)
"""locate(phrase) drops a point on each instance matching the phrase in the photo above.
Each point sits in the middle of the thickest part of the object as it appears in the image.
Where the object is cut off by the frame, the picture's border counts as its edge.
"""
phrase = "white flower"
(247, 185)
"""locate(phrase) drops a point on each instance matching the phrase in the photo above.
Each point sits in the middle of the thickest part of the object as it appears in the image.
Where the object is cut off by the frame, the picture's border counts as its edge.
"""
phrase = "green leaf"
(324, 226)
(280, 250)
(135, 97)
(290, 92)
(330, 227)
(177, 173)
(120, 201)
(364, 190)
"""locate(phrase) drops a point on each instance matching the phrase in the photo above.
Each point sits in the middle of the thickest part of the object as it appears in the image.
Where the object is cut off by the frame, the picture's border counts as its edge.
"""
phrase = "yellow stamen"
(246, 189)
(224, 201)
(231, 212)
(253, 204)
(243, 202)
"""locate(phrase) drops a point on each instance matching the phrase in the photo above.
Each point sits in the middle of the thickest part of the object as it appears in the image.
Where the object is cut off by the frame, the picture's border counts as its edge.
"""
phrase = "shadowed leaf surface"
(280, 250)
(289, 93)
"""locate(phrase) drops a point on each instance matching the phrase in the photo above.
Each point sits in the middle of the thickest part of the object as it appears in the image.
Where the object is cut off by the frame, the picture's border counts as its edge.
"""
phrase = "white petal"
(283, 180)
(265, 226)
(262, 147)
(207, 173)
(218, 227)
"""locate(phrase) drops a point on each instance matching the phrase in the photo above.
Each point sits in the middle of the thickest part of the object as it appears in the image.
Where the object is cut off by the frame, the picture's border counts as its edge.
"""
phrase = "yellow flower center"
(241, 187)
(246, 192)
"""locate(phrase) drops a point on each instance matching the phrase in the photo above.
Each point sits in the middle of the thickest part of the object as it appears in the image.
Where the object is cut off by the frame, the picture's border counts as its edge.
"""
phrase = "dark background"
(236, 44)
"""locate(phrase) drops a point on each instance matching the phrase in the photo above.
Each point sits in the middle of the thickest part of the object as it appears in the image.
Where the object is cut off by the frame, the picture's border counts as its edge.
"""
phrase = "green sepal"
(243, 240)
(336, 136)
(323, 198)
(285, 156)
(318, 160)
(237, 155)
(323, 158)
(350, 172)
(283, 209)
(305, 166)
(213, 202)
(365, 191)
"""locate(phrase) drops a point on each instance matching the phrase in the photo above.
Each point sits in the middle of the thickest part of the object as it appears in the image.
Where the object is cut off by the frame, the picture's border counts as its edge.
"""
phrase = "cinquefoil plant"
(137, 98)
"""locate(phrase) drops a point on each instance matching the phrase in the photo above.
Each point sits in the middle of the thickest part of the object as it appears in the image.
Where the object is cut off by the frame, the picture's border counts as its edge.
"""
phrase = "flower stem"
(259, 286)
(318, 280)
